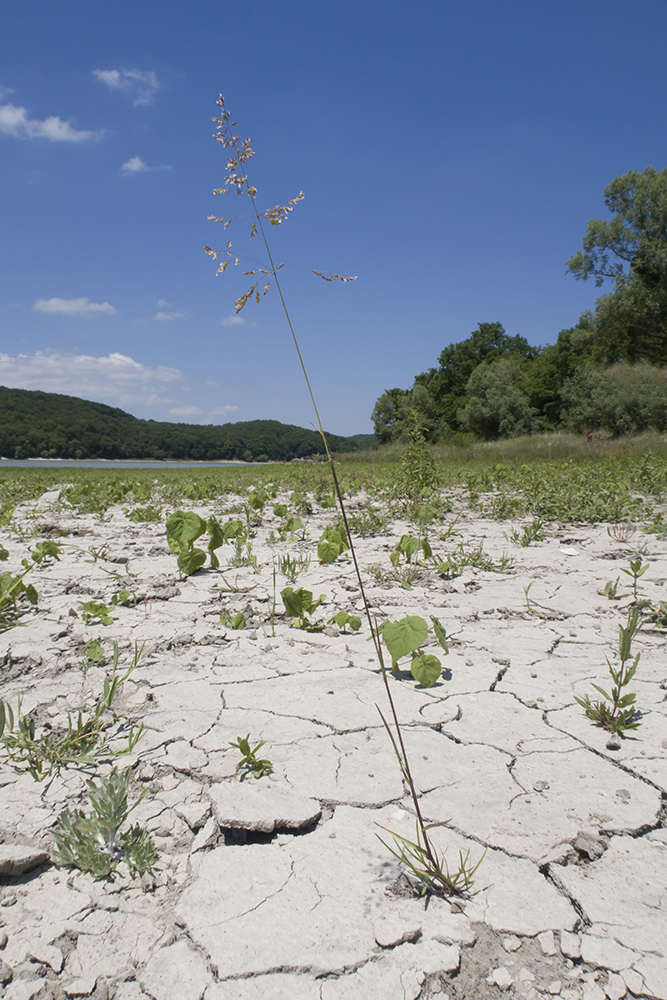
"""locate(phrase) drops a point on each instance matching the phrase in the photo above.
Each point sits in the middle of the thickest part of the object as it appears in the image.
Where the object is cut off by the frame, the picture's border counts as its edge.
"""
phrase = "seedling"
(236, 621)
(660, 615)
(259, 768)
(83, 745)
(533, 532)
(344, 620)
(299, 605)
(12, 589)
(93, 654)
(620, 714)
(333, 543)
(243, 555)
(95, 612)
(94, 843)
(408, 547)
(100, 552)
(611, 590)
(635, 572)
(428, 867)
(291, 567)
(406, 638)
(526, 591)
(141, 515)
(46, 549)
(183, 530)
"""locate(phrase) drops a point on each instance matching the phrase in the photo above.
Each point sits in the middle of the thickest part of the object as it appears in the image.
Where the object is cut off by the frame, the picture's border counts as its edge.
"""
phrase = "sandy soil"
(279, 887)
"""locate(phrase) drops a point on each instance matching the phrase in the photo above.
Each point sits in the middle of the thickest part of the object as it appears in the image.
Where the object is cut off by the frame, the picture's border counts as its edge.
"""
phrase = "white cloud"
(169, 315)
(16, 122)
(232, 321)
(74, 307)
(163, 304)
(139, 84)
(115, 379)
(136, 165)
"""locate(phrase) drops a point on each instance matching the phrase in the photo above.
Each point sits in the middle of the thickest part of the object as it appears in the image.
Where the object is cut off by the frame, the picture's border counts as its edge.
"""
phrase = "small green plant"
(345, 621)
(333, 543)
(406, 638)
(93, 656)
(636, 571)
(424, 862)
(95, 612)
(618, 713)
(94, 843)
(243, 554)
(290, 526)
(470, 555)
(408, 547)
(533, 532)
(46, 549)
(370, 522)
(83, 745)
(526, 592)
(660, 615)
(299, 606)
(100, 552)
(12, 589)
(611, 590)
(291, 567)
(183, 530)
(259, 768)
(141, 515)
(236, 621)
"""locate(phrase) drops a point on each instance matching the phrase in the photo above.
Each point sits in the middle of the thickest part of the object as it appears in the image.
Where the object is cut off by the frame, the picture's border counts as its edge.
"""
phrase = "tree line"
(609, 371)
(49, 425)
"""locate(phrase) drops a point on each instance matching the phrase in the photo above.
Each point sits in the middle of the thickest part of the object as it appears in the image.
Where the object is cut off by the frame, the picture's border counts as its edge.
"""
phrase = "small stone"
(9, 900)
(590, 845)
(570, 944)
(3, 940)
(501, 978)
(592, 991)
(6, 974)
(614, 742)
(526, 976)
(207, 836)
(18, 858)
(511, 943)
(615, 988)
(81, 987)
(547, 942)
(47, 954)
(554, 987)
(23, 989)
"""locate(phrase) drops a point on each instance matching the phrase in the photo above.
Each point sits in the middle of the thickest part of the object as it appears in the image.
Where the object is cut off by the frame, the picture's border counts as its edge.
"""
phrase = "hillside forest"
(608, 372)
(50, 425)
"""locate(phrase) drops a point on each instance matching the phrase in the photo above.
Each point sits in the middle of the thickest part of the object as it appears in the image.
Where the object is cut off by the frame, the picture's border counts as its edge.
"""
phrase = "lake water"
(92, 463)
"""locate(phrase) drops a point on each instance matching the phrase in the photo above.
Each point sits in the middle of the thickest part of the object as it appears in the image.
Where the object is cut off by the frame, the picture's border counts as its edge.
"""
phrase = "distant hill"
(50, 425)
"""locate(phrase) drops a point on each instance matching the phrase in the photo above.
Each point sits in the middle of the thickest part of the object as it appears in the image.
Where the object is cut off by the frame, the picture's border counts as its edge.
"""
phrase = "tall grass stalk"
(420, 857)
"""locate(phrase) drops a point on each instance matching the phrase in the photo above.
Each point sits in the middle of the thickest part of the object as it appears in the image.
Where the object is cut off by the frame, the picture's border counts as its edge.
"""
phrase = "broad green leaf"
(404, 636)
(425, 669)
(232, 529)
(328, 551)
(190, 562)
(440, 633)
(184, 527)
(216, 539)
(296, 601)
(280, 510)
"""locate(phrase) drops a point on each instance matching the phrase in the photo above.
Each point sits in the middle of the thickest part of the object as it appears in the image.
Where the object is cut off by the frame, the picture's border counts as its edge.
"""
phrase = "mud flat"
(279, 888)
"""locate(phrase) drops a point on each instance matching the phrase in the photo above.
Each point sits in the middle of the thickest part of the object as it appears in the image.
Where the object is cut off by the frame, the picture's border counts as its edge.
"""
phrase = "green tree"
(447, 383)
(497, 406)
(629, 249)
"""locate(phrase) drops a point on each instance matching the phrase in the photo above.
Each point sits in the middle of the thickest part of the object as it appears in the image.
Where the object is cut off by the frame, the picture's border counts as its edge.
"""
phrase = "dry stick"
(396, 741)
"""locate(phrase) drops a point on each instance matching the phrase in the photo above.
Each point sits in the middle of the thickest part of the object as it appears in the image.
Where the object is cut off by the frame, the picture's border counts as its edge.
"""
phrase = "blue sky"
(451, 156)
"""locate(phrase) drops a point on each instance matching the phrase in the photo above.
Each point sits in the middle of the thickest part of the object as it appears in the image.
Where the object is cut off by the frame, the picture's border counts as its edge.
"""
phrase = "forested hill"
(49, 425)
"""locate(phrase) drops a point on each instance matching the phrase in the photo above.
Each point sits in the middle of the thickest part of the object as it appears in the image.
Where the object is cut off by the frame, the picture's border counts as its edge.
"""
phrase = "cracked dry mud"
(279, 888)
